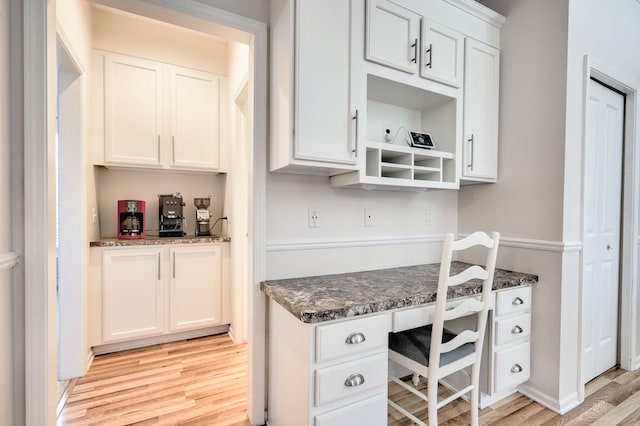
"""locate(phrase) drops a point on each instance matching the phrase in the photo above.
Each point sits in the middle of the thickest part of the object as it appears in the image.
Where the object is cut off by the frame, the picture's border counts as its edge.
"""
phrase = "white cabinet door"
(133, 111)
(195, 119)
(393, 35)
(324, 128)
(132, 286)
(442, 53)
(481, 92)
(196, 287)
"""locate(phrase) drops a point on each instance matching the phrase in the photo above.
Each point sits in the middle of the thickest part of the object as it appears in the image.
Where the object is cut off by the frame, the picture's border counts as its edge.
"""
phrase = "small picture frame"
(421, 140)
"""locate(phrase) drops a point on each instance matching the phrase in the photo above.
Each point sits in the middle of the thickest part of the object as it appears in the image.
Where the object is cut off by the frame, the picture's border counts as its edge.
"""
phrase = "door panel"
(601, 226)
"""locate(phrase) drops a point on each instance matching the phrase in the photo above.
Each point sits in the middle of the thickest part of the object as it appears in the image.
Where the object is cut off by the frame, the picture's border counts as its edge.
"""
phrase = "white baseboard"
(165, 338)
(562, 406)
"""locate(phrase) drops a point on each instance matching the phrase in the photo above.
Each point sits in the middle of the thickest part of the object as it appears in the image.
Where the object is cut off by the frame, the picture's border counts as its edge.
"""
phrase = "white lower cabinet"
(143, 292)
(195, 288)
(133, 294)
(328, 374)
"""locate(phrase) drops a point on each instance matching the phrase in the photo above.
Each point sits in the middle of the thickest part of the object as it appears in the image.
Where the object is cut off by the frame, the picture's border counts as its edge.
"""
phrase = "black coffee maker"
(171, 219)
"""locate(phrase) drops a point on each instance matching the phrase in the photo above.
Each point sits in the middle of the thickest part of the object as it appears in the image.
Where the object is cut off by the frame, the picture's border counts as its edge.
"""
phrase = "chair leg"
(432, 401)
(475, 395)
(415, 379)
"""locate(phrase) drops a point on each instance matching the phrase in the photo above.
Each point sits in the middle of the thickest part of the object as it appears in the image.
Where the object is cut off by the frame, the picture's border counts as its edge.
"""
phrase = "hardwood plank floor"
(610, 399)
(196, 382)
(204, 382)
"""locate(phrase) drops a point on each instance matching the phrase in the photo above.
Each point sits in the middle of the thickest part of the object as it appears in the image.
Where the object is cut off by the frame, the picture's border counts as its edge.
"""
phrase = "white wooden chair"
(434, 352)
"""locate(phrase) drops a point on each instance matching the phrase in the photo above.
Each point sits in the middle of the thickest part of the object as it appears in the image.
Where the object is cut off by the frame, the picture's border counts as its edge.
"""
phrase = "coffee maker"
(203, 216)
(171, 218)
(131, 219)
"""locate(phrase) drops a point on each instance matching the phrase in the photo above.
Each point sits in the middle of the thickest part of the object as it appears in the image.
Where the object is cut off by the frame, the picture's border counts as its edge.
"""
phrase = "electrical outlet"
(428, 219)
(314, 217)
(368, 217)
(94, 215)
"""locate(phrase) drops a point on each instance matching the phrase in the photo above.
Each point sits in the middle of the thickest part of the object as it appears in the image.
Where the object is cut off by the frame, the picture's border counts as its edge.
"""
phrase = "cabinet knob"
(354, 380)
(516, 329)
(516, 368)
(355, 338)
(517, 301)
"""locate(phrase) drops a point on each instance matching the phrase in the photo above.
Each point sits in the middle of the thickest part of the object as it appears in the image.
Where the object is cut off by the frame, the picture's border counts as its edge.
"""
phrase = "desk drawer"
(332, 383)
(513, 300)
(513, 328)
(352, 336)
(371, 412)
(512, 366)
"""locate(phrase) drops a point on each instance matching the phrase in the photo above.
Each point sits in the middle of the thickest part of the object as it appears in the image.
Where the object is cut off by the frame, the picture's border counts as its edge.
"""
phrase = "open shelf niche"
(392, 165)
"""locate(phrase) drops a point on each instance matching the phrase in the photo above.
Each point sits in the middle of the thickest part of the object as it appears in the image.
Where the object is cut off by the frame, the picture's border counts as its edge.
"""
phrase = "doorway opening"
(70, 218)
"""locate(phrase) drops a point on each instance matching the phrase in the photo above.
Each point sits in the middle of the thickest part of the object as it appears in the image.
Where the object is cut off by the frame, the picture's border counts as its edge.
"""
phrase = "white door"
(442, 53)
(133, 111)
(196, 287)
(195, 119)
(601, 252)
(393, 35)
(132, 293)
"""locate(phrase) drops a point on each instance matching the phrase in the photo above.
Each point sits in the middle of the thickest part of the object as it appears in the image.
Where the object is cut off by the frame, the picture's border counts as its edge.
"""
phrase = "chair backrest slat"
(469, 307)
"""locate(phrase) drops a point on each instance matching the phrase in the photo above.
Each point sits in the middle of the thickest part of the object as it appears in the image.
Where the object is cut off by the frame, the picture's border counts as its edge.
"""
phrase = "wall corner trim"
(8, 260)
(560, 406)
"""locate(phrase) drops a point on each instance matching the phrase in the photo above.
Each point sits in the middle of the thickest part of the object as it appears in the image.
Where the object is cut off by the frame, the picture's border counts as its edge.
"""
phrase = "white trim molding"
(274, 246)
(8, 260)
(542, 245)
(561, 406)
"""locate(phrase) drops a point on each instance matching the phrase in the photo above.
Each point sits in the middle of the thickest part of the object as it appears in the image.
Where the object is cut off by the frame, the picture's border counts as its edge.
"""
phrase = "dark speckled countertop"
(328, 297)
(155, 241)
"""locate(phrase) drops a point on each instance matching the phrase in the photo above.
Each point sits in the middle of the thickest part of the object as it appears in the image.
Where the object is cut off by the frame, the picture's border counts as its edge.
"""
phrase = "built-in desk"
(324, 331)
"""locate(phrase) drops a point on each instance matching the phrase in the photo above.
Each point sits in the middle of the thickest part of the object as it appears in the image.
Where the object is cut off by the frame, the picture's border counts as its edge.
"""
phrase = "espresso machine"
(131, 219)
(203, 216)
(171, 218)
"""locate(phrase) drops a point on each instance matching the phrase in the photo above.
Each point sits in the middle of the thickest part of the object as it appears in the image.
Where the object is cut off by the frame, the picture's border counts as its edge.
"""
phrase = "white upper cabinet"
(157, 115)
(481, 93)
(195, 119)
(132, 111)
(314, 87)
(393, 36)
(442, 54)
(401, 39)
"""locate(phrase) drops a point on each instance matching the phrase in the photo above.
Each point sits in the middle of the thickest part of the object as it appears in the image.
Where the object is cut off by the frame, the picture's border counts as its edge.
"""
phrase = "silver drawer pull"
(517, 368)
(354, 380)
(516, 329)
(517, 301)
(355, 338)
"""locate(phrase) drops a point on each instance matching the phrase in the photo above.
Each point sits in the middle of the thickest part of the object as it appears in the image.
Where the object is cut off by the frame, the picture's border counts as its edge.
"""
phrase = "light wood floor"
(611, 399)
(197, 382)
(204, 382)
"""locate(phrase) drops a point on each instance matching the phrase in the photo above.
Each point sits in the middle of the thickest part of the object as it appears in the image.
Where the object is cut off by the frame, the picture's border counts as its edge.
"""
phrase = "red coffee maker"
(131, 219)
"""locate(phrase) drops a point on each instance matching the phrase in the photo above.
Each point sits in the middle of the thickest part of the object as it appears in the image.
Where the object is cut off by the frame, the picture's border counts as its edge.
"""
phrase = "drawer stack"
(511, 338)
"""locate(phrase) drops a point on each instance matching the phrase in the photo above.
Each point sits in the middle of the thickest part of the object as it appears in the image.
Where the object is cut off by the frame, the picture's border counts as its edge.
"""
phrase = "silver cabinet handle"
(354, 380)
(158, 258)
(355, 338)
(173, 149)
(470, 165)
(516, 329)
(174, 264)
(516, 368)
(415, 51)
(430, 52)
(517, 301)
(355, 145)
(158, 148)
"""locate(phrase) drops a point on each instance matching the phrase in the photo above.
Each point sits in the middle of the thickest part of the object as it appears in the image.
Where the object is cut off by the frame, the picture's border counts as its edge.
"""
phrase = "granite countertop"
(155, 241)
(328, 297)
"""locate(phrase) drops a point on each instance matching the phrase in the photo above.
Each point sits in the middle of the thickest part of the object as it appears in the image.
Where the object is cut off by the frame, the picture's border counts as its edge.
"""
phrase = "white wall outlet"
(368, 217)
(314, 217)
(428, 218)
(94, 215)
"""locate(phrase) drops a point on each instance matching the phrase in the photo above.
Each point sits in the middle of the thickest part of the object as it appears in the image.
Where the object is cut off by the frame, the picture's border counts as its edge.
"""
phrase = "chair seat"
(416, 344)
